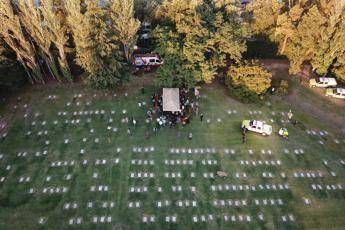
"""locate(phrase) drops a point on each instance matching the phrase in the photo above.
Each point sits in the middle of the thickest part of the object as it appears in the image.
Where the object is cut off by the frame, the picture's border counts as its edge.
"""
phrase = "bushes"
(283, 88)
(248, 82)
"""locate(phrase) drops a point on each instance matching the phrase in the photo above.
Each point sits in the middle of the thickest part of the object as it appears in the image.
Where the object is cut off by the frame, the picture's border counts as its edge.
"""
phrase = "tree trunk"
(36, 71)
(284, 44)
(50, 62)
(126, 50)
(27, 71)
(65, 70)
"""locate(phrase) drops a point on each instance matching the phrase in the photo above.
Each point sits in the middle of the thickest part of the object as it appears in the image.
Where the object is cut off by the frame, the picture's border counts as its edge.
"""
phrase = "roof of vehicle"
(258, 123)
(327, 79)
(146, 55)
(341, 90)
(146, 23)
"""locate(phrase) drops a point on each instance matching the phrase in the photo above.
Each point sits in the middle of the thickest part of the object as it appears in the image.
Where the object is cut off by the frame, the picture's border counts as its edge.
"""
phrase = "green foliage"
(55, 27)
(207, 33)
(31, 19)
(175, 74)
(339, 68)
(248, 81)
(124, 25)
(312, 31)
(37, 32)
(283, 88)
(12, 33)
(96, 52)
(265, 14)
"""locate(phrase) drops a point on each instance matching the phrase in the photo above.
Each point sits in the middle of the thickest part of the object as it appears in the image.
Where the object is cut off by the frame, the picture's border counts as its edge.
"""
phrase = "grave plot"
(74, 164)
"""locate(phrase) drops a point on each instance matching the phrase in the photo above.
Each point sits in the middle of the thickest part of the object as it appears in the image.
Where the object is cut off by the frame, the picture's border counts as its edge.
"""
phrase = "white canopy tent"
(171, 99)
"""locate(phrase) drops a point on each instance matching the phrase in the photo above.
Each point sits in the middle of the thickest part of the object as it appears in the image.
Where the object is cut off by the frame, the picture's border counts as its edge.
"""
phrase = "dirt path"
(327, 110)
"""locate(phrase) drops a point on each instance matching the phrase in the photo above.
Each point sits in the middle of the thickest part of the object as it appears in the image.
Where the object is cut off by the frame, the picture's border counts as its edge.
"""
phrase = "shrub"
(248, 82)
(283, 88)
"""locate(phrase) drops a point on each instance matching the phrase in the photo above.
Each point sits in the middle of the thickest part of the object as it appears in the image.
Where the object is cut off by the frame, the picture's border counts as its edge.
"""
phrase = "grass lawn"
(220, 131)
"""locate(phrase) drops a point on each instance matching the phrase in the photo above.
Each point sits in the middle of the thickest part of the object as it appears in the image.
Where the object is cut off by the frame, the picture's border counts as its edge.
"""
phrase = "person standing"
(244, 138)
(196, 109)
(201, 117)
(290, 115)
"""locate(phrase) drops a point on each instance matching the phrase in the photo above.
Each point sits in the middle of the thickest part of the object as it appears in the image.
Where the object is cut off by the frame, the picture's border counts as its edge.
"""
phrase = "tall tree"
(12, 33)
(96, 52)
(210, 34)
(124, 24)
(264, 16)
(55, 25)
(31, 19)
(174, 72)
(305, 30)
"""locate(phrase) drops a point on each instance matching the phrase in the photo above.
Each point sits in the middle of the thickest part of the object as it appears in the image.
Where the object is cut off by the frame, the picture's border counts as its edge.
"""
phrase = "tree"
(124, 24)
(249, 80)
(175, 74)
(37, 33)
(13, 35)
(96, 52)
(209, 34)
(3, 58)
(145, 9)
(306, 31)
(54, 21)
(265, 15)
(339, 68)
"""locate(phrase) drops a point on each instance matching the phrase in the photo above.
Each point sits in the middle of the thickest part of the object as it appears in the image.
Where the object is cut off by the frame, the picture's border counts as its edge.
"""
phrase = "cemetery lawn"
(220, 130)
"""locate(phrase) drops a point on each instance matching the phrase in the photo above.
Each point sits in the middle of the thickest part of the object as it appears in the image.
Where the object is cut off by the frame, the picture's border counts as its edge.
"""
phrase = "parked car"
(144, 34)
(145, 30)
(257, 126)
(142, 60)
(323, 82)
(336, 92)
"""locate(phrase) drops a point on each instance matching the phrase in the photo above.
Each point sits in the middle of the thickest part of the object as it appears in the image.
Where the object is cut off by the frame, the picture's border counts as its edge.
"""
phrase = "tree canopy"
(249, 80)
(306, 31)
(207, 35)
(39, 32)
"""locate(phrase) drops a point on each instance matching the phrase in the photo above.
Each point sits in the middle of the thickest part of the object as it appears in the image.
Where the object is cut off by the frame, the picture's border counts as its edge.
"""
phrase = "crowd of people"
(188, 105)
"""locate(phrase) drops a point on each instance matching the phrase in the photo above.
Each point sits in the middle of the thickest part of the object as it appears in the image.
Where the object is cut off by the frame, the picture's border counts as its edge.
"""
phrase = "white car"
(323, 82)
(336, 92)
(257, 126)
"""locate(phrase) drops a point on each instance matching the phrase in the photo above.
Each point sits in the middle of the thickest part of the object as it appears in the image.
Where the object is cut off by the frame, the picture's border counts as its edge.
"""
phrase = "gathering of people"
(188, 105)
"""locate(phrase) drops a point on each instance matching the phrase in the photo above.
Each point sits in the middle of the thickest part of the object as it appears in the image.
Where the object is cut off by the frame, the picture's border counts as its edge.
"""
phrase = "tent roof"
(171, 99)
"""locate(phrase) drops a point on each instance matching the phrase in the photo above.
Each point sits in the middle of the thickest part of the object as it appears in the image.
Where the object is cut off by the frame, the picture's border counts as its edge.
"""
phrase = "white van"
(140, 60)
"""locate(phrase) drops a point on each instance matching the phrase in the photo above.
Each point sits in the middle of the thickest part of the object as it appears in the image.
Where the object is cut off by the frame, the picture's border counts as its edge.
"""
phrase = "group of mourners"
(188, 105)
